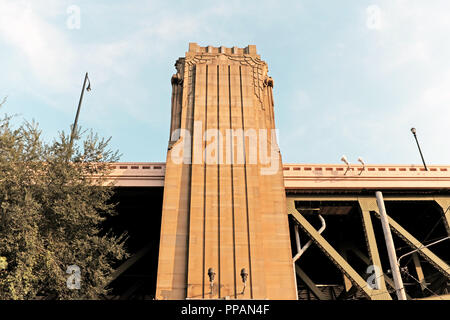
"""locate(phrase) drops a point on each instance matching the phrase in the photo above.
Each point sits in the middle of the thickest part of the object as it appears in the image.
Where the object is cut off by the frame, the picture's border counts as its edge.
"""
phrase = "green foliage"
(52, 204)
(3, 263)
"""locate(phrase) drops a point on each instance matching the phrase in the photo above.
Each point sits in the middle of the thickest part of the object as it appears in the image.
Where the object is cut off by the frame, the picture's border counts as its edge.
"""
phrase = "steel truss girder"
(444, 203)
(416, 244)
(309, 283)
(131, 290)
(366, 260)
(335, 257)
(347, 283)
(366, 205)
(442, 297)
(129, 263)
(419, 271)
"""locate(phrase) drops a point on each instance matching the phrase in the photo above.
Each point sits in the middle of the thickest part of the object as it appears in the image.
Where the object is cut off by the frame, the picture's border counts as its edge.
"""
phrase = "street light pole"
(74, 127)
(398, 282)
(413, 130)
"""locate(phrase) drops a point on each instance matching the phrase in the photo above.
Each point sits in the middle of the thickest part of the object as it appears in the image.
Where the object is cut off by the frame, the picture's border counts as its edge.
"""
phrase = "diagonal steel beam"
(366, 260)
(347, 283)
(346, 294)
(366, 205)
(442, 297)
(419, 271)
(309, 283)
(416, 244)
(127, 294)
(334, 256)
(129, 263)
(444, 203)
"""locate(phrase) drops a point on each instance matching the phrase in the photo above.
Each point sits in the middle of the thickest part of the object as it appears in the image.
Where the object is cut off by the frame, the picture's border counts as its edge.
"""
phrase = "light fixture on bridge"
(413, 130)
(211, 275)
(360, 160)
(244, 276)
(89, 85)
(344, 159)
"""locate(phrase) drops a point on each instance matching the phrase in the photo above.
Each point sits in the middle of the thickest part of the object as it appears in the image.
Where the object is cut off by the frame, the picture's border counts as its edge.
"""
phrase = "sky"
(351, 77)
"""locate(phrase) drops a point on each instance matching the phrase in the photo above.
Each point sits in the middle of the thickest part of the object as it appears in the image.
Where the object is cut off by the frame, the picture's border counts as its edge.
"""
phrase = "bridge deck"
(310, 176)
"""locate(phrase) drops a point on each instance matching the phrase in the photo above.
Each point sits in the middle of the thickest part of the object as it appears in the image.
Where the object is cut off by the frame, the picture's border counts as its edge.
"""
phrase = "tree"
(53, 200)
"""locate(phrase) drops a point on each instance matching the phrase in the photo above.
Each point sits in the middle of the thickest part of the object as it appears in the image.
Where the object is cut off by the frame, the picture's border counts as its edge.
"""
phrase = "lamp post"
(398, 282)
(413, 130)
(74, 127)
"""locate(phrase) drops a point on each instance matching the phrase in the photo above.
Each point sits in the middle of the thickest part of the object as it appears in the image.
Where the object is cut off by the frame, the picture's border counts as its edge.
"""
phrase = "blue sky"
(351, 77)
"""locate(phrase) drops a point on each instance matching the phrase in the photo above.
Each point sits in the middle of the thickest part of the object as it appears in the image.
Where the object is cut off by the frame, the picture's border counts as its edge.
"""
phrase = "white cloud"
(55, 57)
(374, 17)
(412, 48)
(408, 38)
(45, 49)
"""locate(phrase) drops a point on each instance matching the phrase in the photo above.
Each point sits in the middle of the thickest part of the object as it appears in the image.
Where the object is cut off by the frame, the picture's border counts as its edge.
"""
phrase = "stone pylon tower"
(224, 206)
